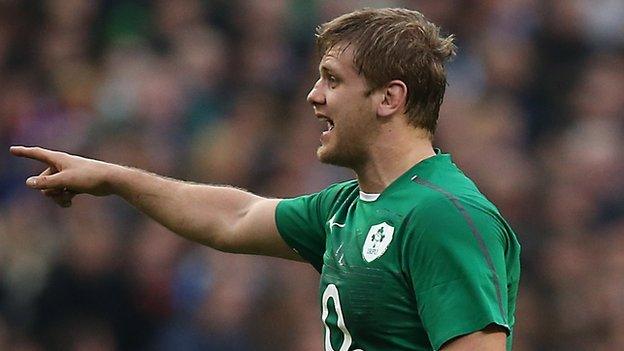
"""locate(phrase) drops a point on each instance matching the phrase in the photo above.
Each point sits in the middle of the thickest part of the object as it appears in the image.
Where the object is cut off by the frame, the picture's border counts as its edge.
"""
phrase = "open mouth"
(329, 123)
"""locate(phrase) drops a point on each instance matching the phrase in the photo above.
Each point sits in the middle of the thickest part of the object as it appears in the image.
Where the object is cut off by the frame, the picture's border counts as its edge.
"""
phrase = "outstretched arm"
(225, 218)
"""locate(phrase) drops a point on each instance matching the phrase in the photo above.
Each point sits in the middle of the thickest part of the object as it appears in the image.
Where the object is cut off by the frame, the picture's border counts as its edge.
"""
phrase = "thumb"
(45, 181)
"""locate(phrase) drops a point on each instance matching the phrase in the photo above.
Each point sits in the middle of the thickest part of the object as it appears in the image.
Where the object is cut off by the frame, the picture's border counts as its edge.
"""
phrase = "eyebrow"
(324, 69)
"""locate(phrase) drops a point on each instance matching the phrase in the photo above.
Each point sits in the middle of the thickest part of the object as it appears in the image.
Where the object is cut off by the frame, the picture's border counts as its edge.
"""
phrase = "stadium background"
(214, 91)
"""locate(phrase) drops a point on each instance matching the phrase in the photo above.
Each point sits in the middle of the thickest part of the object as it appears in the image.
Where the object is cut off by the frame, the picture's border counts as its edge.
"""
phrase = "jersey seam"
(476, 234)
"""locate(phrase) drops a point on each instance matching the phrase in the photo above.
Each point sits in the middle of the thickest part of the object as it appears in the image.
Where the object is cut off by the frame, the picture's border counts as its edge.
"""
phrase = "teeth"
(330, 123)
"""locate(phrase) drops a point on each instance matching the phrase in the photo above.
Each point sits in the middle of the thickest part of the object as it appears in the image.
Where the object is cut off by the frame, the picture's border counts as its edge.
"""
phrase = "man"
(411, 255)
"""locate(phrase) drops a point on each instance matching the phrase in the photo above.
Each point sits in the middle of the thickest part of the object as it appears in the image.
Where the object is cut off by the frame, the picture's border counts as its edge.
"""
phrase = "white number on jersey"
(331, 292)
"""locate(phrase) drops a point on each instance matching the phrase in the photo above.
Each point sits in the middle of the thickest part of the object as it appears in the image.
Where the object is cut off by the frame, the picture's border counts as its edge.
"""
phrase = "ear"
(394, 99)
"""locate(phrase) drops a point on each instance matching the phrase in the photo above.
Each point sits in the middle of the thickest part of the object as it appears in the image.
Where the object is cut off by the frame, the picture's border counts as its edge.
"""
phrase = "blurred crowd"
(214, 91)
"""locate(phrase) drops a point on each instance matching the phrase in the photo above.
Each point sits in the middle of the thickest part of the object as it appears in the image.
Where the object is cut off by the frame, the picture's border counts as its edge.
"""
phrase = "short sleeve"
(455, 257)
(301, 222)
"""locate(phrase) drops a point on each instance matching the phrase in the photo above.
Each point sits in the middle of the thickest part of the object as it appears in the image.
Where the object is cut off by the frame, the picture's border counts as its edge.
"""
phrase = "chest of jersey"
(367, 302)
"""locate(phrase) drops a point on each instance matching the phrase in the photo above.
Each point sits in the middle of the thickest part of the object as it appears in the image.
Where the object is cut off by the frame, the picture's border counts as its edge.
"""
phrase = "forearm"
(221, 217)
(202, 213)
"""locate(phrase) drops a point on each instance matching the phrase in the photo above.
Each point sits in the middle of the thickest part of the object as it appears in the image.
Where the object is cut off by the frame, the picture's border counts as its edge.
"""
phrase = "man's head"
(389, 51)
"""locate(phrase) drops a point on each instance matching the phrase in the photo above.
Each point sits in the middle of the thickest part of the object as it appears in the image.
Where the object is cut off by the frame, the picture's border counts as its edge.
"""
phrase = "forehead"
(339, 58)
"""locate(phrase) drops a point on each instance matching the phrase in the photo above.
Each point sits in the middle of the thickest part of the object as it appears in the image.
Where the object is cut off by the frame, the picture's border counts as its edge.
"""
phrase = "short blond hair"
(394, 44)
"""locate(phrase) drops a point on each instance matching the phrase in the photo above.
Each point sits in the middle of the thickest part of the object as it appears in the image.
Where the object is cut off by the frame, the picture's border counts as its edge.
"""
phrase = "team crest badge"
(377, 241)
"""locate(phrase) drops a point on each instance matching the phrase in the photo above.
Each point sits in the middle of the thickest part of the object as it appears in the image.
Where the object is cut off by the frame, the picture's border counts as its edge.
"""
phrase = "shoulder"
(341, 188)
(331, 193)
(337, 193)
(320, 202)
(451, 209)
(449, 187)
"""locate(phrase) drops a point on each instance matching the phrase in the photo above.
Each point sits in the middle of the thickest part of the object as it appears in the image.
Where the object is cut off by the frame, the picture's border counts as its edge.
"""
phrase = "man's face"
(341, 97)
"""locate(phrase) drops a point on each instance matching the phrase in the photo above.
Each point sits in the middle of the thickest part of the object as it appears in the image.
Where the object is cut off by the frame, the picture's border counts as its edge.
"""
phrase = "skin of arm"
(492, 338)
(224, 218)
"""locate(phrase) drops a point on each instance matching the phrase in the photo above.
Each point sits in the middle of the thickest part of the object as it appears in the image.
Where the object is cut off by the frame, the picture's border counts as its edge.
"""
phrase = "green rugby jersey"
(428, 260)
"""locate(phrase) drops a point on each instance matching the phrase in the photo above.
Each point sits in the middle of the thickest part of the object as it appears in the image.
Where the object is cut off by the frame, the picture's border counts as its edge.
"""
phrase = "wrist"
(113, 179)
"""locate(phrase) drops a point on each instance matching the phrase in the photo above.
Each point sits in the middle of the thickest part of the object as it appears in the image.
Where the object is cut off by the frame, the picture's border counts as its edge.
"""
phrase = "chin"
(332, 157)
(322, 154)
(326, 155)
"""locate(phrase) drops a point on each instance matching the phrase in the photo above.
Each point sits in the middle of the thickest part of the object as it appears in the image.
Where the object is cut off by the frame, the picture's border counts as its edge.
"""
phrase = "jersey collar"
(368, 197)
(412, 173)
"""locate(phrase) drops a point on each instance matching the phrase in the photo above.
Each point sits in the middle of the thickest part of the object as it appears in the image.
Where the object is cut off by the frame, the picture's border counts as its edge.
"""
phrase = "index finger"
(35, 153)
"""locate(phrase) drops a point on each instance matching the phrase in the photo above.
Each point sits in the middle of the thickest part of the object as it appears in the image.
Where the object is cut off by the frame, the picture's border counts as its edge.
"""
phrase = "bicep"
(492, 338)
(256, 232)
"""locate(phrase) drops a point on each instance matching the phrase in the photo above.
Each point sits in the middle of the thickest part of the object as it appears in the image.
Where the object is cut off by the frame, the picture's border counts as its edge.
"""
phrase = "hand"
(67, 175)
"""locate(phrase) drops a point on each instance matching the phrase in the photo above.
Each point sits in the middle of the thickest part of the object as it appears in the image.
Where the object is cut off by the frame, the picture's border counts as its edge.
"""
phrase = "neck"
(396, 150)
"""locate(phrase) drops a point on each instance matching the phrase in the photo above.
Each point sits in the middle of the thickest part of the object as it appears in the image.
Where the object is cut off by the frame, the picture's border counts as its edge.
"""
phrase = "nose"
(316, 96)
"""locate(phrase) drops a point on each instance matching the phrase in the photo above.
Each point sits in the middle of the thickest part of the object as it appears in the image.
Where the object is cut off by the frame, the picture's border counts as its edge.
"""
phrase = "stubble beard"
(344, 151)
(349, 145)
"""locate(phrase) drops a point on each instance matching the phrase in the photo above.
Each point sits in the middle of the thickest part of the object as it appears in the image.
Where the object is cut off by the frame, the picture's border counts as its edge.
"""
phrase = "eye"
(333, 81)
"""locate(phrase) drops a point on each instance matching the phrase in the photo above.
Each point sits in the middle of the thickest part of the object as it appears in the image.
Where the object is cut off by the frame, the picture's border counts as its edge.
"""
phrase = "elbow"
(223, 240)
(222, 244)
